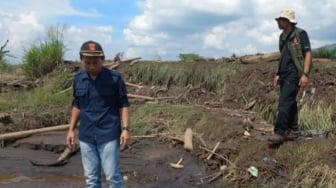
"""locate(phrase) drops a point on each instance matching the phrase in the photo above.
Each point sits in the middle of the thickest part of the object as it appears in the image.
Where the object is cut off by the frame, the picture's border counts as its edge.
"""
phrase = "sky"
(162, 29)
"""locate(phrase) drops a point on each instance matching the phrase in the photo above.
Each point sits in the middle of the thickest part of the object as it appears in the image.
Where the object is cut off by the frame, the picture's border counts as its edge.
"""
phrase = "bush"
(189, 57)
(325, 53)
(41, 59)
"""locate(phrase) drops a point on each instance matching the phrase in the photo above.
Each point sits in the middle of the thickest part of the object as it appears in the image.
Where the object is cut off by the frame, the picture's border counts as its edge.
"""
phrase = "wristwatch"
(126, 129)
(306, 74)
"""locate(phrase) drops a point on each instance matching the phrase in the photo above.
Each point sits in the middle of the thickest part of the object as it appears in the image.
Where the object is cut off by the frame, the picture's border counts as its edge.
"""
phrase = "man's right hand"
(276, 81)
(70, 139)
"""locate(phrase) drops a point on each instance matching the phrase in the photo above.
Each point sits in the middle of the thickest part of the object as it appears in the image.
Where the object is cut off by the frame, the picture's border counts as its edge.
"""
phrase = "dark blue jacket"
(99, 102)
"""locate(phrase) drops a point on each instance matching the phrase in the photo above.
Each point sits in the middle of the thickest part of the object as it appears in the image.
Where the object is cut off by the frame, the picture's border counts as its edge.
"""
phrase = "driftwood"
(62, 159)
(249, 59)
(21, 134)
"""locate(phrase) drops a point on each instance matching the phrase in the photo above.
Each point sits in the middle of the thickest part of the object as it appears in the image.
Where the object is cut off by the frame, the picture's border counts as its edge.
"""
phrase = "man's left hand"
(125, 139)
(303, 81)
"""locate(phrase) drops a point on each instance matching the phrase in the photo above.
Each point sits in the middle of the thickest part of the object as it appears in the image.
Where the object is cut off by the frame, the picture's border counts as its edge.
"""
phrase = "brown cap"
(91, 48)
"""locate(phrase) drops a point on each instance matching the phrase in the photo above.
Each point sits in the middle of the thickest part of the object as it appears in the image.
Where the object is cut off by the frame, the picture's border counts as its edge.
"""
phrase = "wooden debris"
(202, 141)
(63, 91)
(141, 97)
(213, 151)
(62, 159)
(134, 85)
(188, 144)
(178, 164)
(250, 59)
(132, 61)
(21, 134)
(218, 155)
(249, 105)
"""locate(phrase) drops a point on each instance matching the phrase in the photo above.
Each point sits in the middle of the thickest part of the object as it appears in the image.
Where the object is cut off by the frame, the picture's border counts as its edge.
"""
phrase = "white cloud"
(24, 23)
(224, 27)
(216, 38)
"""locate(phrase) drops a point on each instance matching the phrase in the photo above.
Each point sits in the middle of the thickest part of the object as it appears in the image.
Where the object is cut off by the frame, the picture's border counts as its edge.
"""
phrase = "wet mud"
(146, 163)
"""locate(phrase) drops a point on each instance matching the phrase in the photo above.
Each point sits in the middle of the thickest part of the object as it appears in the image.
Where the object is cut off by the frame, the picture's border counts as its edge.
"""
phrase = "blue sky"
(161, 29)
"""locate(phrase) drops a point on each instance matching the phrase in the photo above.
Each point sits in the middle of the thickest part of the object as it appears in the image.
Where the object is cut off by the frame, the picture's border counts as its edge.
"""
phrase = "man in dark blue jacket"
(101, 105)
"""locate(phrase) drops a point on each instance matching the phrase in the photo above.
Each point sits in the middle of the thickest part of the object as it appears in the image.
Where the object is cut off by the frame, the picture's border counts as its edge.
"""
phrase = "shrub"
(188, 57)
(41, 59)
(325, 53)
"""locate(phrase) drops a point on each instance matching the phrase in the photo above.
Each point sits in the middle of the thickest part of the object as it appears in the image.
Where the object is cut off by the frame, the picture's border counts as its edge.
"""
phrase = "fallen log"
(249, 59)
(141, 97)
(131, 60)
(21, 134)
(134, 85)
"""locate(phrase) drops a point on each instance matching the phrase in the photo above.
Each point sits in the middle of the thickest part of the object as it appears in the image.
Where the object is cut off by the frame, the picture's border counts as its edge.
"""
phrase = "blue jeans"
(98, 156)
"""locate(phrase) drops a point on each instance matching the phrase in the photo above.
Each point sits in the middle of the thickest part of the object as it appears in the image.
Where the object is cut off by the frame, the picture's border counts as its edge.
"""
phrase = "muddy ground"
(146, 163)
(230, 121)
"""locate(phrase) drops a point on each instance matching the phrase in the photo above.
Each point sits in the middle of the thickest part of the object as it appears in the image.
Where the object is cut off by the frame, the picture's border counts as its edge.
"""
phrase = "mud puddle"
(144, 165)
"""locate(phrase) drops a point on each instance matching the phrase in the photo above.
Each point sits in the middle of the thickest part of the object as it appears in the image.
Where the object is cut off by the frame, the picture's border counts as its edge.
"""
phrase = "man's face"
(282, 23)
(92, 64)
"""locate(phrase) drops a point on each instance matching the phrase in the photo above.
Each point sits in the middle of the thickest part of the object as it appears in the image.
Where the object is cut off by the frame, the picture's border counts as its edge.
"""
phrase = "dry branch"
(218, 155)
(213, 151)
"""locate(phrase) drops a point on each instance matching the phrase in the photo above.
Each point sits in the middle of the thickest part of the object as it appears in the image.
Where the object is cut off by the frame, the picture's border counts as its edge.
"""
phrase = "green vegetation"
(188, 57)
(304, 165)
(6, 67)
(324, 53)
(211, 77)
(41, 59)
(316, 117)
(33, 99)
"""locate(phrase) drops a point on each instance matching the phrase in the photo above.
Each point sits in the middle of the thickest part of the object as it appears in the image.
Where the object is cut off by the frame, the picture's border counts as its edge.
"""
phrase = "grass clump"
(304, 165)
(211, 77)
(41, 59)
(316, 117)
